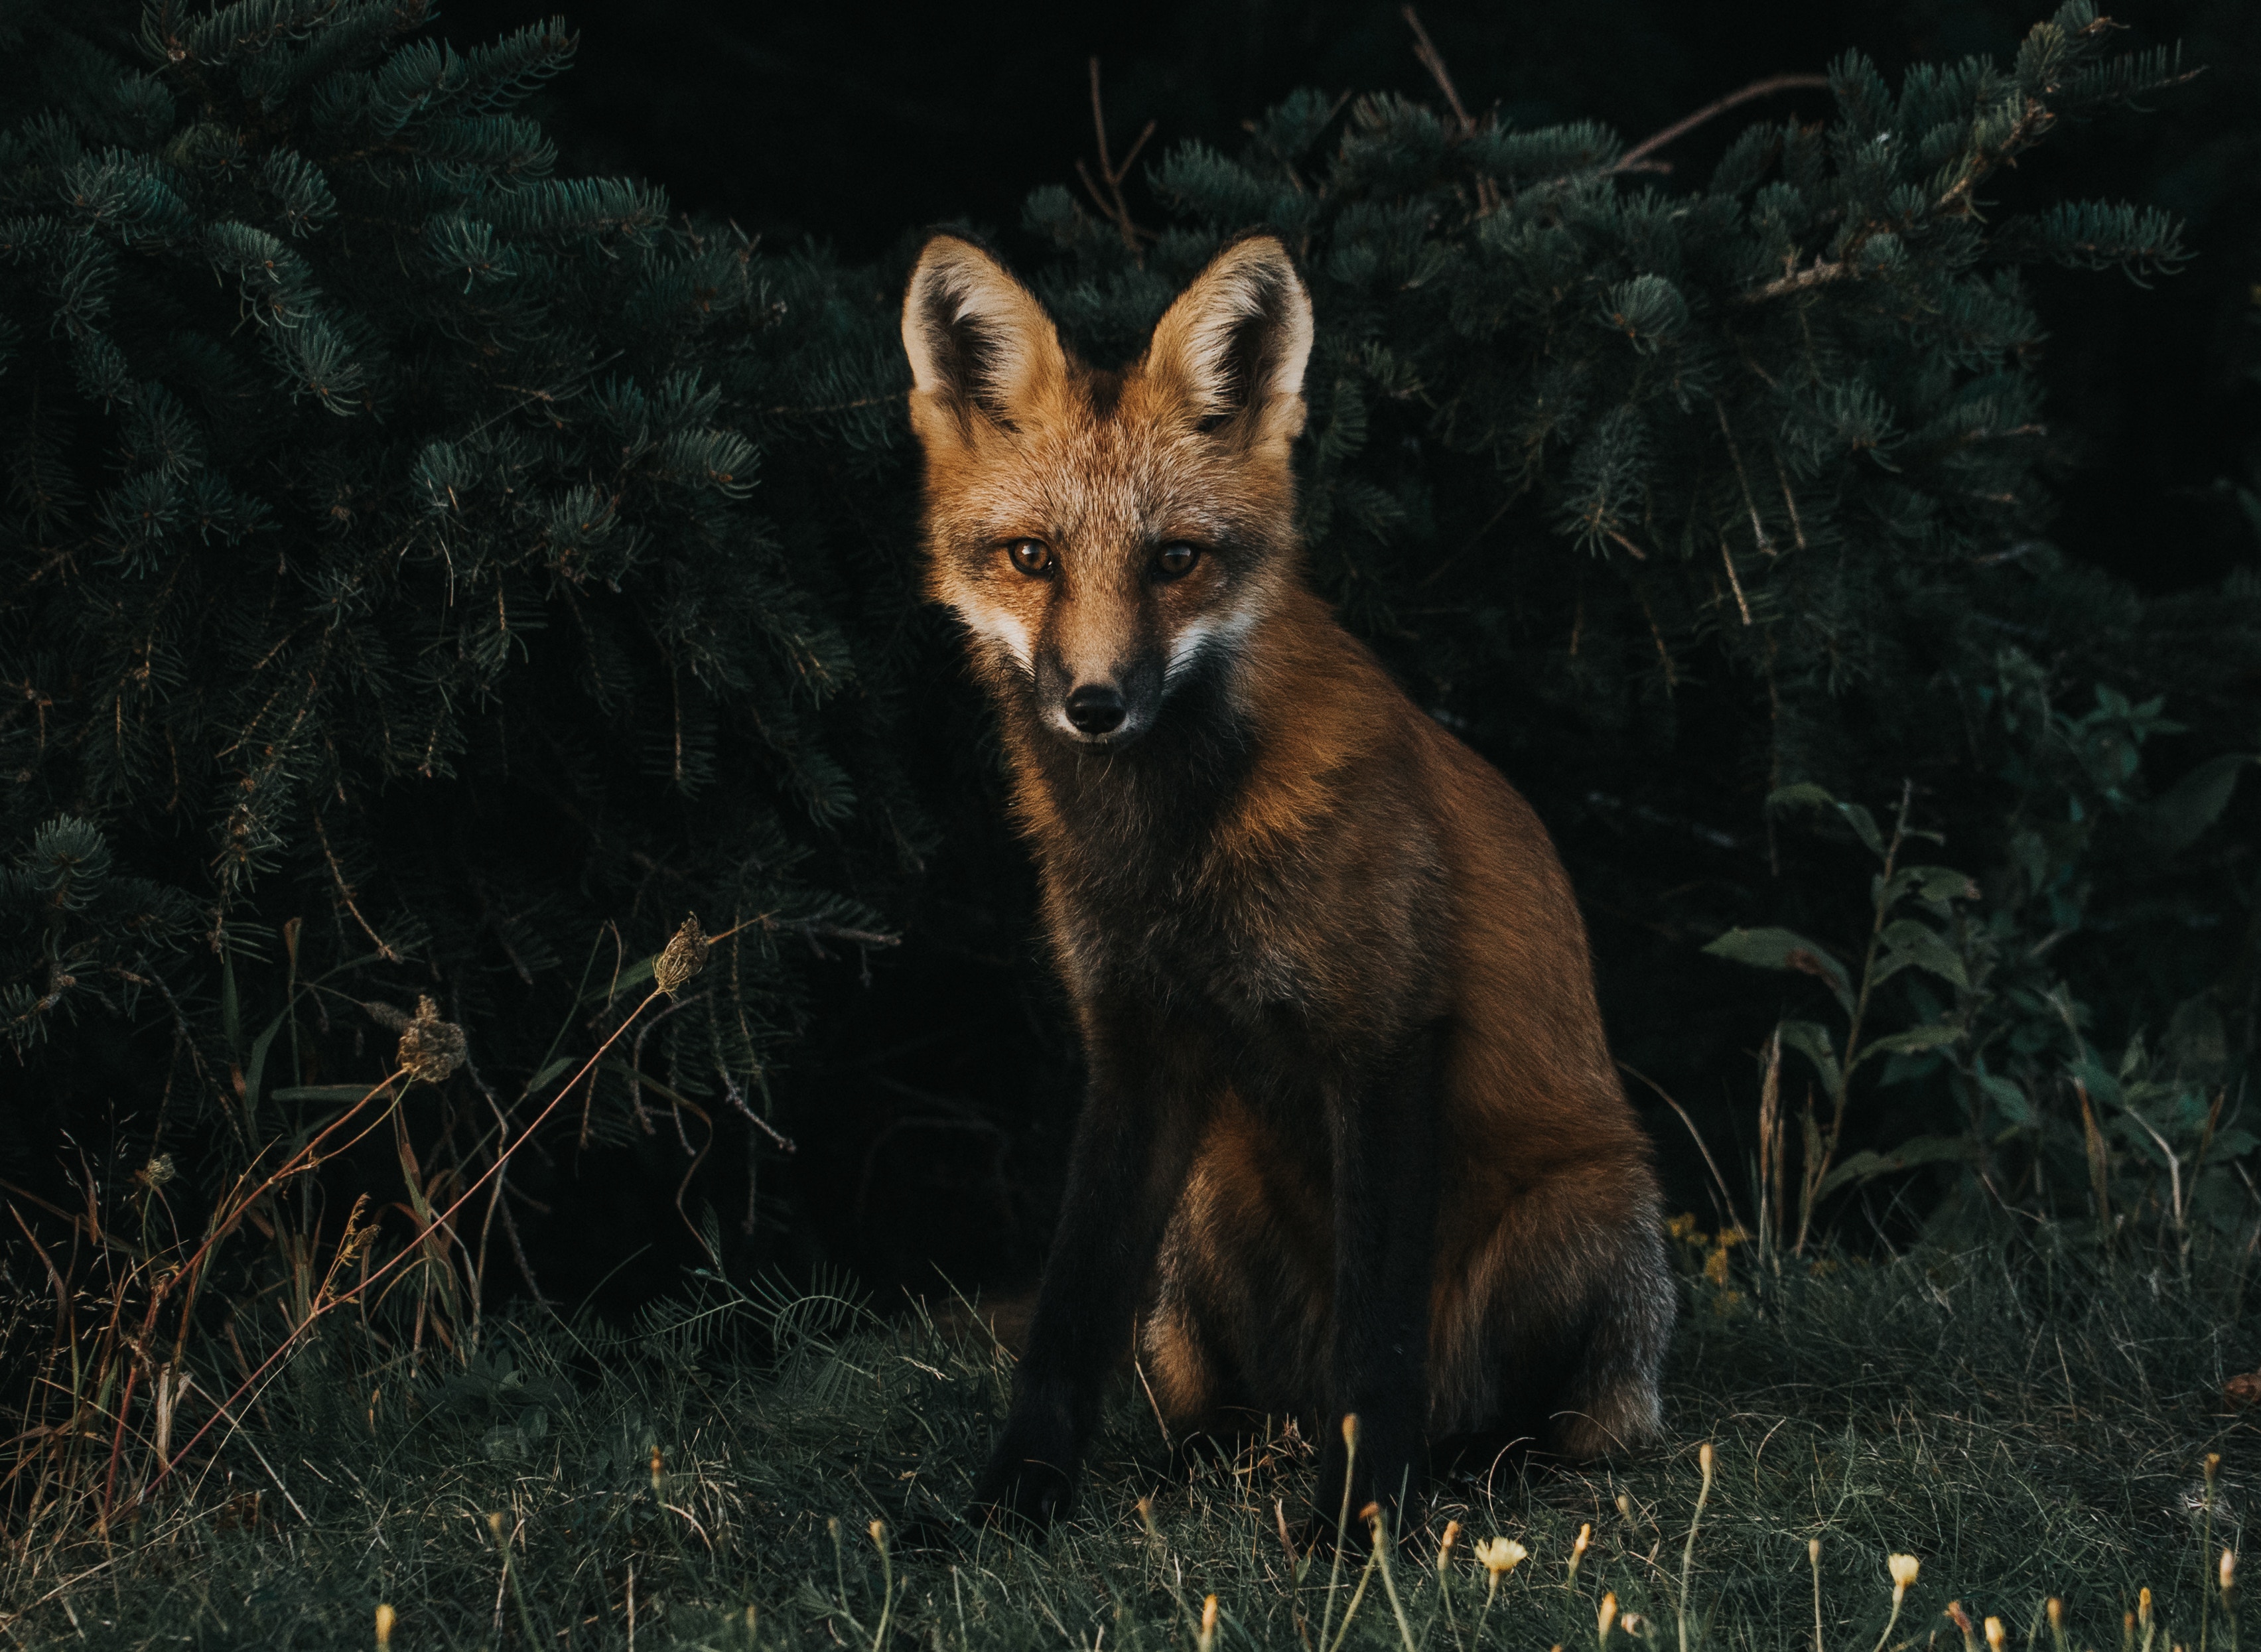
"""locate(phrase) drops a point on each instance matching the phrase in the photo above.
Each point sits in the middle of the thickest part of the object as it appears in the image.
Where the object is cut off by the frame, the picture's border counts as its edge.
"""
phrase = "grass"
(2027, 1427)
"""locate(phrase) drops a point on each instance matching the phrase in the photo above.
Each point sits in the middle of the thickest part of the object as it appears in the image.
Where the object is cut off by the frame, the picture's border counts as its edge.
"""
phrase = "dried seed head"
(1903, 1568)
(383, 1625)
(1606, 1616)
(157, 1172)
(430, 1048)
(1500, 1556)
(684, 956)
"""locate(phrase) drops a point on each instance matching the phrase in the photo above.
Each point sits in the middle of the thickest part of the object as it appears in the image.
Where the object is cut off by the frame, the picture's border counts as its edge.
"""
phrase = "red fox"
(1352, 1141)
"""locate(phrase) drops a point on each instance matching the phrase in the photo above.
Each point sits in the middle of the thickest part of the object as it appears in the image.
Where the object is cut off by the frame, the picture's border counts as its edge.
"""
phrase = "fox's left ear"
(1236, 342)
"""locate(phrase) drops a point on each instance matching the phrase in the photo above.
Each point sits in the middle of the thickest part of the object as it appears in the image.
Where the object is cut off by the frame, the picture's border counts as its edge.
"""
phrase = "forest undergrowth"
(739, 1469)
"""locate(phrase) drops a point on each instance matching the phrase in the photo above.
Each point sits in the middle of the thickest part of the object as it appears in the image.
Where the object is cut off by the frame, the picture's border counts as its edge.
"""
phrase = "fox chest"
(1255, 951)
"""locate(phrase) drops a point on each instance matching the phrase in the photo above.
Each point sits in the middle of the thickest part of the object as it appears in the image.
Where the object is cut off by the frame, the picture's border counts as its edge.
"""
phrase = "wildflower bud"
(1350, 1430)
(2057, 1622)
(1814, 1550)
(1146, 1517)
(2229, 1571)
(1995, 1634)
(655, 1479)
(494, 1525)
(383, 1626)
(684, 956)
(1624, 1508)
(1962, 1622)
(1903, 1568)
(1578, 1551)
(2212, 1467)
(878, 1530)
(1607, 1615)
(2143, 1609)
(1444, 1544)
(1704, 1459)
(1208, 1623)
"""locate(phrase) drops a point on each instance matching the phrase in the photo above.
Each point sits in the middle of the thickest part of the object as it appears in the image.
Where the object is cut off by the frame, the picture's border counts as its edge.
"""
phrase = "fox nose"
(1095, 708)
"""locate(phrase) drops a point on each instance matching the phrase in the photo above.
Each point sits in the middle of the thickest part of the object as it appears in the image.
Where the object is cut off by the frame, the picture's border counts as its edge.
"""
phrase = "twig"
(1116, 210)
(1434, 61)
(1633, 158)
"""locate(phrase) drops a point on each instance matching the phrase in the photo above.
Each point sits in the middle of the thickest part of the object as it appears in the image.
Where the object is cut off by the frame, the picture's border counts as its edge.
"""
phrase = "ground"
(2026, 1424)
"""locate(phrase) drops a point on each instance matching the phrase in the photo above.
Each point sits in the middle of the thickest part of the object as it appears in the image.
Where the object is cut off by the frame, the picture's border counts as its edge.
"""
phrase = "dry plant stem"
(412, 1249)
(1813, 1556)
(1811, 1182)
(1380, 1524)
(1342, 1519)
(1688, 1555)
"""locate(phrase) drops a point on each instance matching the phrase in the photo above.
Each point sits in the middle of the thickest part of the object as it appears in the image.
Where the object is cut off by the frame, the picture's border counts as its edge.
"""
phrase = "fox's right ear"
(981, 347)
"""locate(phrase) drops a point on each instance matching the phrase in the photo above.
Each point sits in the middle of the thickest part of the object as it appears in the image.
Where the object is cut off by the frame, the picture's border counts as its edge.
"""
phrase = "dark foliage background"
(837, 785)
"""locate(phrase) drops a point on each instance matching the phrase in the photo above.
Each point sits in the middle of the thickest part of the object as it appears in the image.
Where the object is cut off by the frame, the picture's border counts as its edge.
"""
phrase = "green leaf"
(324, 1092)
(1917, 1150)
(1862, 822)
(2176, 820)
(1811, 1040)
(258, 1062)
(1784, 949)
(1916, 944)
(2008, 1099)
(547, 1073)
(1915, 1038)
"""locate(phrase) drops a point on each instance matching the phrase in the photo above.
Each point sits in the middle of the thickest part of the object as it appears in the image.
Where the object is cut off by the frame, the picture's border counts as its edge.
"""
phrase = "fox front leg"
(1384, 1142)
(1133, 1144)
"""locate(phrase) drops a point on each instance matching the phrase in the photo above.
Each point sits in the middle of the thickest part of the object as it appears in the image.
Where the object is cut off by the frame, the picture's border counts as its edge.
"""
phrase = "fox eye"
(1031, 556)
(1176, 559)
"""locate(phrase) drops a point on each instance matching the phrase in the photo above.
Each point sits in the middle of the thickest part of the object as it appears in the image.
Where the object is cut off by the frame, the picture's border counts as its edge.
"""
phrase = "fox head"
(1106, 535)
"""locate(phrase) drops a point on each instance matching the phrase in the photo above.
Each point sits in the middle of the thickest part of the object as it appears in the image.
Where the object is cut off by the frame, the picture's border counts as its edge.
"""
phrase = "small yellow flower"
(1682, 1226)
(1903, 1568)
(1500, 1556)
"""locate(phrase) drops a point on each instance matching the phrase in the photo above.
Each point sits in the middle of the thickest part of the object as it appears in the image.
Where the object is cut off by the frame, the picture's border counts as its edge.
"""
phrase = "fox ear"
(1236, 342)
(980, 345)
